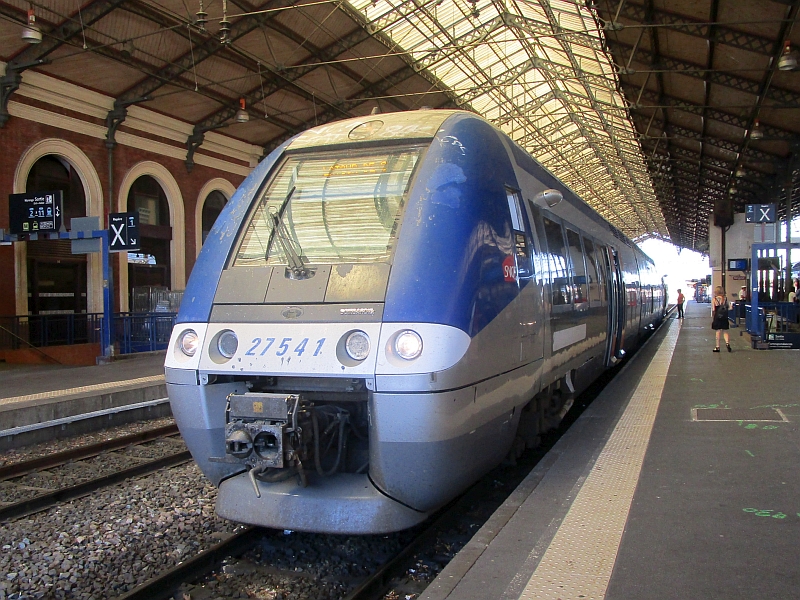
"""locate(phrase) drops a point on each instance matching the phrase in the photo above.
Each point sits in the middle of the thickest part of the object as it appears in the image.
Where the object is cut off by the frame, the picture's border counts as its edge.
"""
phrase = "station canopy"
(646, 112)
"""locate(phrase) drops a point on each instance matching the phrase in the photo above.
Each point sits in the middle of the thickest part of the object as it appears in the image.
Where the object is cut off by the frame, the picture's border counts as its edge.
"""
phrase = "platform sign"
(760, 213)
(123, 231)
(35, 212)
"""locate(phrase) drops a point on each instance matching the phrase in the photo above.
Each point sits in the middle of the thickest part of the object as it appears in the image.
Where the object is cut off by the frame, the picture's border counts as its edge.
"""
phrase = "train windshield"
(330, 208)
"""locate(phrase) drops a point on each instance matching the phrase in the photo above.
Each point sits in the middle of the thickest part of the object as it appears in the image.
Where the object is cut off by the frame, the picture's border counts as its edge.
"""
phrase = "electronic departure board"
(35, 212)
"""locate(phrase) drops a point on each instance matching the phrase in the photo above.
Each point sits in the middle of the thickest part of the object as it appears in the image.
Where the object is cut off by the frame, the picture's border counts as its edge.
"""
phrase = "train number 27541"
(283, 347)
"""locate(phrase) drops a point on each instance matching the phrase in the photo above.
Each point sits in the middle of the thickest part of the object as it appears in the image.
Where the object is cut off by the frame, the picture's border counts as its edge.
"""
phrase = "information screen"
(737, 264)
(34, 212)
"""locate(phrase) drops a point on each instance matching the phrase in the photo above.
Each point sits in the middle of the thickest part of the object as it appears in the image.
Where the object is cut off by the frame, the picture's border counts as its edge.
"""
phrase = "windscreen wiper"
(271, 217)
(296, 265)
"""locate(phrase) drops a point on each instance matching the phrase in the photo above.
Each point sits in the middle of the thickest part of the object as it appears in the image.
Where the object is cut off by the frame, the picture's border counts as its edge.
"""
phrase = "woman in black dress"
(719, 317)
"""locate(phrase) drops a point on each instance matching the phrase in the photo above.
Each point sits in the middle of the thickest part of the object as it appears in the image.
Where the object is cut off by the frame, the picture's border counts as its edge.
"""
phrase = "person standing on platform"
(719, 317)
(681, 300)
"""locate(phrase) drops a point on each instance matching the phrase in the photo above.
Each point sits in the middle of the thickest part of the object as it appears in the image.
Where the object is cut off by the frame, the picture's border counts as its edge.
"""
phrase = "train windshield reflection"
(334, 207)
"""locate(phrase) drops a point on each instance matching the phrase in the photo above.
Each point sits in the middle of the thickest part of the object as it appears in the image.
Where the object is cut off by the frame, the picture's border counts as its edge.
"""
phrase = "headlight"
(227, 344)
(357, 345)
(408, 344)
(189, 342)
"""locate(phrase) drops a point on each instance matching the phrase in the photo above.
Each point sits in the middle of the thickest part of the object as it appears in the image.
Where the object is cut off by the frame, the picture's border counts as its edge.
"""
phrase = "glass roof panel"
(537, 69)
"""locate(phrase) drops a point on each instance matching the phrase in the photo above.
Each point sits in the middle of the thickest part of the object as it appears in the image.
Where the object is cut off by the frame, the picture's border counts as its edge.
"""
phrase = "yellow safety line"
(579, 561)
(82, 389)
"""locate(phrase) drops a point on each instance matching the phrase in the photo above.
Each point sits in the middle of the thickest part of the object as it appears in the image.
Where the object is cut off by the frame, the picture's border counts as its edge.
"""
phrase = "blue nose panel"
(456, 232)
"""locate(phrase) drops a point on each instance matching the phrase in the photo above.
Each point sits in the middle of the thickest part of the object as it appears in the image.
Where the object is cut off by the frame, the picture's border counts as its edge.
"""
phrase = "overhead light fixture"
(757, 133)
(31, 34)
(128, 49)
(787, 61)
(242, 115)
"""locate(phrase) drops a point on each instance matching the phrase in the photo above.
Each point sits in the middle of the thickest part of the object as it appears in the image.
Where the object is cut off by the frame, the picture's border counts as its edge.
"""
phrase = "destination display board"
(35, 212)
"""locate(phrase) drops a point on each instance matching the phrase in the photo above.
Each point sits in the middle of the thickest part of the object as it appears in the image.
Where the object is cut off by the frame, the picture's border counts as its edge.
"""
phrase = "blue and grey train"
(386, 308)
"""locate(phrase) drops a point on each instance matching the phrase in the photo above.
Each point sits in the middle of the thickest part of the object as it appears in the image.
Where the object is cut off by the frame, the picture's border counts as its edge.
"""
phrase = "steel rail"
(377, 584)
(53, 460)
(164, 585)
(46, 500)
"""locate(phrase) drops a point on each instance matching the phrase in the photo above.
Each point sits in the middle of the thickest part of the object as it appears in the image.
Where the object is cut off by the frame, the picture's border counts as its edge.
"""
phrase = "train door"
(616, 306)
(641, 293)
(543, 281)
(529, 277)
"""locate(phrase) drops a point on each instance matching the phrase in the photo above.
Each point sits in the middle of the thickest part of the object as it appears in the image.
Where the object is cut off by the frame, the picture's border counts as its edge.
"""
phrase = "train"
(386, 308)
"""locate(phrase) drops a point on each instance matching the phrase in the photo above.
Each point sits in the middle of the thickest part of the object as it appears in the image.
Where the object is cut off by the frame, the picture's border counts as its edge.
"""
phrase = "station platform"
(680, 480)
(32, 395)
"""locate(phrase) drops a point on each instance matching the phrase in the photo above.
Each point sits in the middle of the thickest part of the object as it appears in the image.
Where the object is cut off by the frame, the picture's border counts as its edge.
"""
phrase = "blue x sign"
(123, 232)
(760, 213)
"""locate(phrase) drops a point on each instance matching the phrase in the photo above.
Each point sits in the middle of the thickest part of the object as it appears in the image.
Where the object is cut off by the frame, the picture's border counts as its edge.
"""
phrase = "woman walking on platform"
(719, 316)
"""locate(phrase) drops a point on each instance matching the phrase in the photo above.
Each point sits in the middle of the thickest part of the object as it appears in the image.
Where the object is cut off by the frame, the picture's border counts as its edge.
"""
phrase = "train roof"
(408, 125)
(421, 126)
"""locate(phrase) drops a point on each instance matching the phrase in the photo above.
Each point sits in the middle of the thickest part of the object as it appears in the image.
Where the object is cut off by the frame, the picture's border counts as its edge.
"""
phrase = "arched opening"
(57, 279)
(211, 199)
(212, 207)
(150, 267)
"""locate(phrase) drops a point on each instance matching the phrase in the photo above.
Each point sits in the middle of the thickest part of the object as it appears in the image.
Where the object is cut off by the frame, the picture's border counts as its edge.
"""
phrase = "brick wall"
(19, 134)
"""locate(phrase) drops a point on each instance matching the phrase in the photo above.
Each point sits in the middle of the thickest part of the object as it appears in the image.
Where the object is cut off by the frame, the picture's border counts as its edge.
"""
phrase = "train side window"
(602, 263)
(580, 294)
(592, 270)
(557, 257)
(521, 246)
(539, 245)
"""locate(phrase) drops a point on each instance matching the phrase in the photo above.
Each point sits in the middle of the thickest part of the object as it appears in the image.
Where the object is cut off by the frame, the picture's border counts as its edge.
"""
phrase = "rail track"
(164, 585)
(46, 499)
(374, 586)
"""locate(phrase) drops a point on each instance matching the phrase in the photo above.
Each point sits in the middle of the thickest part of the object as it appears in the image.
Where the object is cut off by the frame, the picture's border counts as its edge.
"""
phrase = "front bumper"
(343, 503)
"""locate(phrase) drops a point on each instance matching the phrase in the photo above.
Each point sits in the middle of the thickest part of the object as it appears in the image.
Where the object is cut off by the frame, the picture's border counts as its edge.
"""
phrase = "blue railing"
(132, 332)
(778, 315)
(760, 322)
(142, 332)
(774, 317)
(49, 330)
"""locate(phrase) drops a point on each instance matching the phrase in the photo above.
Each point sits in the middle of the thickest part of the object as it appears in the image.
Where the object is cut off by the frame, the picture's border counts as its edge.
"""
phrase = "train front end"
(282, 336)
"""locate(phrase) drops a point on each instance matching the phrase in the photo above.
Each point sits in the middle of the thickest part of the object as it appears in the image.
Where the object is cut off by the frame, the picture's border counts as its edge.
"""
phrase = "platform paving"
(715, 512)
(35, 380)
(35, 394)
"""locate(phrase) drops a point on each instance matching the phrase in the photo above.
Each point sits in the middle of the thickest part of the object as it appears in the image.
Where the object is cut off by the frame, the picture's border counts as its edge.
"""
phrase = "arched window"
(212, 206)
(147, 196)
(56, 277)
(150, 267)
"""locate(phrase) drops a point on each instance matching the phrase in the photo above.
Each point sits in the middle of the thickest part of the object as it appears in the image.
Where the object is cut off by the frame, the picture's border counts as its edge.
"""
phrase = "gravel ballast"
(46, 448)
(105, 544)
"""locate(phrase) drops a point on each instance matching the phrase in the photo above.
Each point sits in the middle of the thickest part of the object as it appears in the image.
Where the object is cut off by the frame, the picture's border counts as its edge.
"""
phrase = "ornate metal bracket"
(195, 140)
(192, 144)
(117, 115)
(114, 119)
(9, 83)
